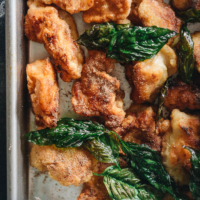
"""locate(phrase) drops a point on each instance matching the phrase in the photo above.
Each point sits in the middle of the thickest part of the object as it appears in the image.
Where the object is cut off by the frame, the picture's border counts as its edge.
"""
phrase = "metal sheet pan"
(24, 182)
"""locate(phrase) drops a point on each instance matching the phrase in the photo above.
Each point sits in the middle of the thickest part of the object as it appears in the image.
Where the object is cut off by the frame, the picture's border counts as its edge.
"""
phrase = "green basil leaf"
(161, 100)
(194, 173)
(126, 42)
(99, 36)
(186, 55)
(147, 164)
(138, 43)
(68, 133)
(104, 148)
(126, 185)
(191, 15)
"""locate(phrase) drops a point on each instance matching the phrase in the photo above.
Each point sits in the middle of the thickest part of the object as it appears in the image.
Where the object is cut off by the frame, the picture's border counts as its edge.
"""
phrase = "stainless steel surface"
(17, 121)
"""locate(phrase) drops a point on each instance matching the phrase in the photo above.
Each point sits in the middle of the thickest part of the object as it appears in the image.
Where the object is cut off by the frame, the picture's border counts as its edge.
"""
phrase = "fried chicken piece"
(107, 10)
(44, 92)
(185, 130)
(196, 39)
(182, 96)
(154, 13)
(139, 127)
(98, 93)
(43, 24)
(157, 13)
(68, 166)
(147, 77)
(69, 5)
(186, 4)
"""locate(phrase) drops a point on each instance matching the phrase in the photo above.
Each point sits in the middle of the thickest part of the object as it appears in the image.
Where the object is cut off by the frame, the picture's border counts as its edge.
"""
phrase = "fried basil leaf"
(191, 15)
(138, 43)
(194, 173)
(147, 164)
(161, 100)
(104, 148)
(126, 42)
(68, 133)
(99, 36)
(186, 55)
(126, 185)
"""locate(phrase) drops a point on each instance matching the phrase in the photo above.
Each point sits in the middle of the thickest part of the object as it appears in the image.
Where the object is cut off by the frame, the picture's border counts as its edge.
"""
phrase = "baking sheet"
(25, 182)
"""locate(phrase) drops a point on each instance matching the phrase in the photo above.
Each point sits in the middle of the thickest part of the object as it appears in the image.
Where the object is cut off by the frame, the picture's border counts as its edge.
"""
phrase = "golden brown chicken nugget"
(196, 39)
(68, 166)
(98, 93)
(44, 92)
(71, 6)
(147, 77)
(54, 32)
(157, 13)
(185, 130)
(107, 10)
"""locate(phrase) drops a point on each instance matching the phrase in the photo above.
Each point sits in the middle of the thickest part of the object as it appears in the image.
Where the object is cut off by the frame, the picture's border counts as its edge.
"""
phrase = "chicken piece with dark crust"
(182, 96)
(68, 166)
(186, 4)
(139, 126)
(185, 129)
(69, 5)
(147, 77)
(98, 93)
(107, 10)
(43, 24)
(44, 92)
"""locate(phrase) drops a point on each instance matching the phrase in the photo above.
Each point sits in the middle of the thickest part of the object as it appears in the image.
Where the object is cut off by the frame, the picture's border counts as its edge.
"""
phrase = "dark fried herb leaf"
(126, 42)
(68, 133)
(194, 173)
(102, 143)
(126, 185)
(161, 100)
(147, 164)
(186, 55)
(191, 15)
(138, 43)
(99, 36)
(104, 148)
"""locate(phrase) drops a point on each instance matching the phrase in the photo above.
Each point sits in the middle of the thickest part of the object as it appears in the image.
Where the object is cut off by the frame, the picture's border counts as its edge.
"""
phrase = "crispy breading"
(157, 13)
(44, 92)
(147, 77)
(186, 4)
(54, 32)
(68, 166)
(107, 10)
(139, 126)
(69, 5)
(185, 130)
(196, 39)
(182, 96)
(98, 93)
